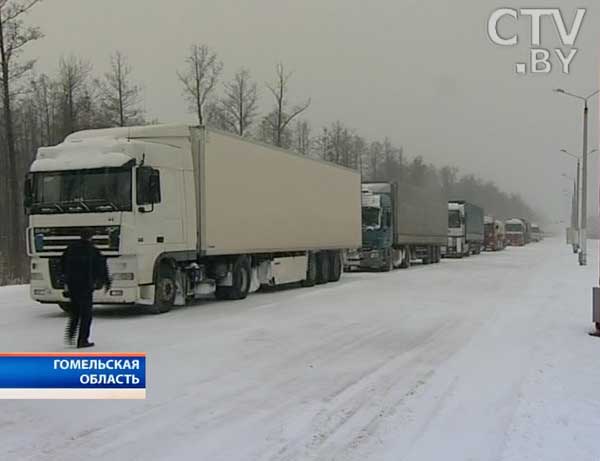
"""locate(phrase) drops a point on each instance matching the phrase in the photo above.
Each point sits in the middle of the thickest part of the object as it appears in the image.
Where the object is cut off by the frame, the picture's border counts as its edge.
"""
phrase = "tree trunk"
(13, 248)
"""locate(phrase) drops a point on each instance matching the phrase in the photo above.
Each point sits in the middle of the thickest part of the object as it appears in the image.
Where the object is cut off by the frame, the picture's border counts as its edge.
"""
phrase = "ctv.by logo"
(540, 60)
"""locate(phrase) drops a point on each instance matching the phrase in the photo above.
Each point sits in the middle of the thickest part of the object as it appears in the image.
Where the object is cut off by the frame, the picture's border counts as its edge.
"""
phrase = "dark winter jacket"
(84, 267)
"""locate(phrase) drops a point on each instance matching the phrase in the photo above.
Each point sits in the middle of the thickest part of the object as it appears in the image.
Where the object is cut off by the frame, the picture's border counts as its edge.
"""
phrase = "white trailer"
(183, 211)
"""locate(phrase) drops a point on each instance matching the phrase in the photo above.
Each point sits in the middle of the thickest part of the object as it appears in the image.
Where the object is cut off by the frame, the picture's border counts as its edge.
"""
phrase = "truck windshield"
(489, 228)
(454, 218)
(371, 217)
(82, 191)
(514, 228)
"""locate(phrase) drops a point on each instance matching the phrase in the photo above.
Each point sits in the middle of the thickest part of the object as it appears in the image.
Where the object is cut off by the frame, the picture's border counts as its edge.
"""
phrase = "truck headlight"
(37, 276)
(114, 237)
(122, 276)
(374, 254)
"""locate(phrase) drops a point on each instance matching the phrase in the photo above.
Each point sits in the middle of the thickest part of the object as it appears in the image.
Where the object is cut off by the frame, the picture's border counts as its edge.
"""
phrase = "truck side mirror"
(148, 186)
(28, 193)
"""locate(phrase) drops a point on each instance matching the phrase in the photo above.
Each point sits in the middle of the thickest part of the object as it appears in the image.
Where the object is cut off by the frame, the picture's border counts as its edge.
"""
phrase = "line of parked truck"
(185, 212)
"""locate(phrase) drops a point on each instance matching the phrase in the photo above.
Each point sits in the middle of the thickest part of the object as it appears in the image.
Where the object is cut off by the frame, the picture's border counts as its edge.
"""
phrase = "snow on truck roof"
(134, 132)
(75, 155)
(103, 148)
(514, 221)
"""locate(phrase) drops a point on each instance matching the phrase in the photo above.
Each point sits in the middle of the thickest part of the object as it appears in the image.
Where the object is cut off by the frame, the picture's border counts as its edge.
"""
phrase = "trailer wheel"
(335, 266)
(66, 307)
(165, 289)
(405, 264)
(241, 274)
(429, 258)
(322, 268)
(311, 271)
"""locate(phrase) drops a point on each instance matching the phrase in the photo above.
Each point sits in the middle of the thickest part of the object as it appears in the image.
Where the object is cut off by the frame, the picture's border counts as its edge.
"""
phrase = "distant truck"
(465, 229)
(494, 238)
(183, 212)
(527, 231)
(536, 233)
(400, 224)
(515, 232)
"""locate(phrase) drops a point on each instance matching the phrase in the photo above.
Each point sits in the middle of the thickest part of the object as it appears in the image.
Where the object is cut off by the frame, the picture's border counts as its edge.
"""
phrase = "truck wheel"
(311, 271)
(66, 307)
(222, 293)
(322, 268)
(335, 266)
(388, 263)
(436, 255)
(429, 258)
(241, 274)
(165, 289)
(405, 264)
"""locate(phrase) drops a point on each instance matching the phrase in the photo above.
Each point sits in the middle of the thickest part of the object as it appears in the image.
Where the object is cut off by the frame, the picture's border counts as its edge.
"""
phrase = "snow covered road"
(485, 358)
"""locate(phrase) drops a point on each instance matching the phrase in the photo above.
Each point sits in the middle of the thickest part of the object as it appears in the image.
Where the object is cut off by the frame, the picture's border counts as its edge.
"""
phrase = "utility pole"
(583, 240)
(583, 218)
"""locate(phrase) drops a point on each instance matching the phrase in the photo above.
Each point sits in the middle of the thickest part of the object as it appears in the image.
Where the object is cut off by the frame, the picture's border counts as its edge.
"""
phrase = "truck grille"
(57, 239)
(57, 278)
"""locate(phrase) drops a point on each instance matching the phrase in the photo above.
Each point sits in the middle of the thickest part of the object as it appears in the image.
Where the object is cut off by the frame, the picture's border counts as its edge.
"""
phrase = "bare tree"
(120, 96)
(199, 78)
(283, 117)
(302, 139)
(239, 105)
(14, 36)
(73, 74)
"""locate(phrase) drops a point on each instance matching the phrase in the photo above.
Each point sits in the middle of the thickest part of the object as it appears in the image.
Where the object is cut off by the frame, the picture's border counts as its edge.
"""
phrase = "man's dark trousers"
(81, 302)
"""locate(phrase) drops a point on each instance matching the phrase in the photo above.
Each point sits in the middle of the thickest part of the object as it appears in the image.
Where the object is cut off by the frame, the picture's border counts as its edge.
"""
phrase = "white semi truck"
(465, 229)
(182, 212)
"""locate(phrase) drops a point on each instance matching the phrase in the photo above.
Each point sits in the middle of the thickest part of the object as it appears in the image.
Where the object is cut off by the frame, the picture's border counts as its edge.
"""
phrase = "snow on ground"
(485, 358)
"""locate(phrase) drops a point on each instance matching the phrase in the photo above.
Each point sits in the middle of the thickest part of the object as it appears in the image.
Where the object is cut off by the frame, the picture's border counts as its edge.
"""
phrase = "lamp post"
(576, 213)
(583, 230)
(577, 207)
(574, 228)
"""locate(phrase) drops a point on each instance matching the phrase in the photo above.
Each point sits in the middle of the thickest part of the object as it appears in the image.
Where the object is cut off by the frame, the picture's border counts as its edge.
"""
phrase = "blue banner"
(72, 371)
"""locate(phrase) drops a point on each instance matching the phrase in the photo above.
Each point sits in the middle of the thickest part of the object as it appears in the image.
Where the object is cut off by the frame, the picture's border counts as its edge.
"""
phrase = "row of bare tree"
(38, 109)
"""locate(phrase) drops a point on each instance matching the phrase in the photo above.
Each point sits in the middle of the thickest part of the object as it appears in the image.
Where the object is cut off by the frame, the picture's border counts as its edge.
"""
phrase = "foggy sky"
(422, 72)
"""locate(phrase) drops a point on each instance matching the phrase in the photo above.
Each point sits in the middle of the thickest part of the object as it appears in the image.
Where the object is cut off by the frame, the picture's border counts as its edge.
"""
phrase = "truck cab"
(465, 229)
(127, 194)
(457, 245)
(494, 234)
(515, 232)
(377, 233)
(536, 233)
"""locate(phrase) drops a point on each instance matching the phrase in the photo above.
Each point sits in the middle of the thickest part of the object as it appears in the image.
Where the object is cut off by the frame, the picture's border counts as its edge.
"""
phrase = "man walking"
(85, 269)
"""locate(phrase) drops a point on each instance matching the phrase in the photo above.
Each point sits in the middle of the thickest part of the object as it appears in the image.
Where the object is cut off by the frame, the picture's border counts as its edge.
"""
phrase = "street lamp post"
(577, 223)
(583, 230)
(578, 213)
(582, 260)
(574, 214)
